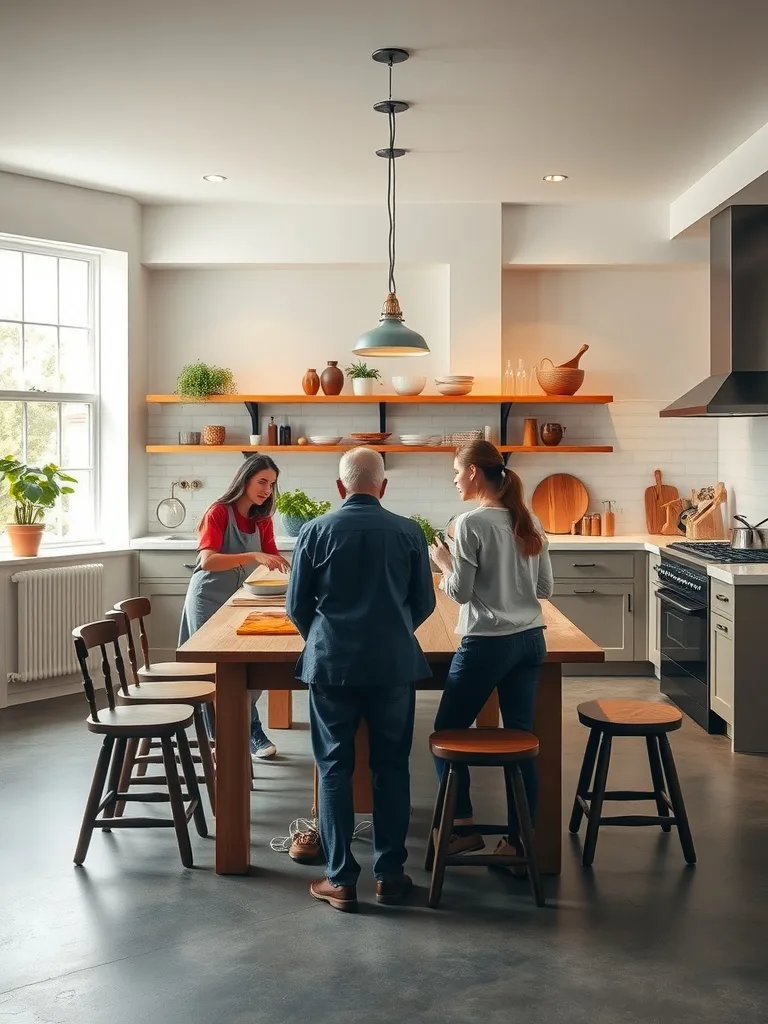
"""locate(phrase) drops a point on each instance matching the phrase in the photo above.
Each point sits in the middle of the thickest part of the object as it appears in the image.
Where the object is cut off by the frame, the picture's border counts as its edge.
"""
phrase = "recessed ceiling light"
(214, 177)
(555, 177)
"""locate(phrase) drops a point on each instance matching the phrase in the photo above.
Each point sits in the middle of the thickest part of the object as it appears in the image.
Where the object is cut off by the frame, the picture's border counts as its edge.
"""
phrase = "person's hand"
(275, 563)
(441, 556)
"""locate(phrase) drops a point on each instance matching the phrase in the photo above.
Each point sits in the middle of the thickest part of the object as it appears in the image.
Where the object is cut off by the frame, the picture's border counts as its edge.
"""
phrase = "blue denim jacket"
(360, 585)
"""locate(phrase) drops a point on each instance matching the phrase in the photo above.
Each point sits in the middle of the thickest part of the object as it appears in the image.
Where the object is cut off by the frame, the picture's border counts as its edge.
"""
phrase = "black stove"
(717, 551)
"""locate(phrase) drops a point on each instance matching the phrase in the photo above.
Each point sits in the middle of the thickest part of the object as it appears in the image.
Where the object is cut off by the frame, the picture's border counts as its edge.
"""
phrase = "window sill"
(60, 553)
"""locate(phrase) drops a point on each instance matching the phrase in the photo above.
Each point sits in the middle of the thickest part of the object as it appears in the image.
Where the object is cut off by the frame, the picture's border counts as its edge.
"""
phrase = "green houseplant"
(430, 533)
(198, 381)
(297, 508)
(33, 491)
(362, 377)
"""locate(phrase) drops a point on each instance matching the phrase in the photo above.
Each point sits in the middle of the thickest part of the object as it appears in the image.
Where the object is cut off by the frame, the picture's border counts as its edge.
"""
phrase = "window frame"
(92, 257)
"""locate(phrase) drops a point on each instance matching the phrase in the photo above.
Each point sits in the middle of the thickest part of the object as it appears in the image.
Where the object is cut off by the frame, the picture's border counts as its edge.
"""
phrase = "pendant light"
(391, 337)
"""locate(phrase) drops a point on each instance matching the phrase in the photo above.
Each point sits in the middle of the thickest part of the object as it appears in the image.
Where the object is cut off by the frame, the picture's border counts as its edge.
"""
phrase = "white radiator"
(51, 603)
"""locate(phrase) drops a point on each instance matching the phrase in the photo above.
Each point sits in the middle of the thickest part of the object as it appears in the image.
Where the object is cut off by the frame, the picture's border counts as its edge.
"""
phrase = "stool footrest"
(638, 820)
(488, 830)
(480, 860)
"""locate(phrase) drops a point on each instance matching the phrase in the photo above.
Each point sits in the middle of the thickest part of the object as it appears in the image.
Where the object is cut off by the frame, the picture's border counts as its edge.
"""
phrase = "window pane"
(41, 370)
(11, 438)
(73, 516)
(10, 284)
(11, 369)
(40, 288)
(75, 435)
(73, 292)
(42, 433)
(75, 362)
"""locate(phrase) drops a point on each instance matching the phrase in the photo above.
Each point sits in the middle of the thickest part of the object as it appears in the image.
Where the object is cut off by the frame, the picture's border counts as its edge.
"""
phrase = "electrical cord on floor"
(282, 844)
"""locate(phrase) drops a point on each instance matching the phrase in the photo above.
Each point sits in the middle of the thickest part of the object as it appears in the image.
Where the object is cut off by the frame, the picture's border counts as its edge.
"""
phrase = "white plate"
(325, 440)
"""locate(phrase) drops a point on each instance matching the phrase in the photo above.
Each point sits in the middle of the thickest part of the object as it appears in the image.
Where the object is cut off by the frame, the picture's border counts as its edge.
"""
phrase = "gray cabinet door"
(604, 611)
(721, 666)
(163, 624)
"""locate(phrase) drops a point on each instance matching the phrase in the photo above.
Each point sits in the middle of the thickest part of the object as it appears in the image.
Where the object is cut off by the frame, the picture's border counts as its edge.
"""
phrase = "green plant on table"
(34, 490)
(430, 533)
(200, 380)
(298, 505)
(360, 371)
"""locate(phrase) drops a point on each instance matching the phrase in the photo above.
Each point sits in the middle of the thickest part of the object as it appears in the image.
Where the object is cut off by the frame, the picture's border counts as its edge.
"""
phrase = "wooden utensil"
(707, 521)
(655, 499)
(574, 363)
(558, 501)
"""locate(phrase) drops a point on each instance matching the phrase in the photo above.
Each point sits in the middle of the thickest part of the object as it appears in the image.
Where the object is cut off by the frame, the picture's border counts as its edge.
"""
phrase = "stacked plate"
(454, 384)
(370, 438)
(419, 440)
(324, 439)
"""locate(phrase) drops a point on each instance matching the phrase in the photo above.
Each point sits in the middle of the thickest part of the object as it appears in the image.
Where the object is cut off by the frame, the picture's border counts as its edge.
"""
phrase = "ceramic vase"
(332, 378)
(310, 382)
(363, 385)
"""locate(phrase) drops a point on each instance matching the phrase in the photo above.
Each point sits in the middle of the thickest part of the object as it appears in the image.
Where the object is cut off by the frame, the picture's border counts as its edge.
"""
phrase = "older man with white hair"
(360, 586)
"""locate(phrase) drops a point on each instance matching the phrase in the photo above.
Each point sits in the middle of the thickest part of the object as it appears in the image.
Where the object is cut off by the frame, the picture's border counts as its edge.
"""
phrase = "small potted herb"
(362, 378)
(296, 508)
(198, 381)
(430, 535)
(33, 491)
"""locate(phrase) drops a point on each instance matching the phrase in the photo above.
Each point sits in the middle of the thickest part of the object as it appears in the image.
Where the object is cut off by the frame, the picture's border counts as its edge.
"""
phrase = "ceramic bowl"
(266, 589)
(409, 385)
(321, 439)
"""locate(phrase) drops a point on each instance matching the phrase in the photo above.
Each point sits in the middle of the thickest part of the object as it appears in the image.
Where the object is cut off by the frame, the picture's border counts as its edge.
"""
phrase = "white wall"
(35, 208)
(270, 323)
(743, 455)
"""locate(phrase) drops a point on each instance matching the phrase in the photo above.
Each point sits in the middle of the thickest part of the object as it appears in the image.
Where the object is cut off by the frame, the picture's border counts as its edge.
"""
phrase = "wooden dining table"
(268, 663)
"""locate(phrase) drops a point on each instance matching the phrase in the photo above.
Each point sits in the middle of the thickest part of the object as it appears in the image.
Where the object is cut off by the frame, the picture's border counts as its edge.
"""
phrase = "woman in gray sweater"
(499, 569)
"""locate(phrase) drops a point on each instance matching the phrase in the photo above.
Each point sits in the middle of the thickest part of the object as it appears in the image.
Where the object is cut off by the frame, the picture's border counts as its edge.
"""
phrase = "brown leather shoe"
(306, 848)
(340, 897)
(392, 891)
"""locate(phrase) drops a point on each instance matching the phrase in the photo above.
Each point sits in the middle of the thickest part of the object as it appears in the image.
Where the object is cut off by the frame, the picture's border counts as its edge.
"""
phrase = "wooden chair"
(502, 748)
(653, 720)
(199, 695)
(139, 609)
(121, 724)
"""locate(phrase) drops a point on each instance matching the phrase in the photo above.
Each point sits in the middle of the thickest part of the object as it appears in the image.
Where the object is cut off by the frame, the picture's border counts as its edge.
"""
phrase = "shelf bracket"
(383, 417)
(253, 412)
(504, 410)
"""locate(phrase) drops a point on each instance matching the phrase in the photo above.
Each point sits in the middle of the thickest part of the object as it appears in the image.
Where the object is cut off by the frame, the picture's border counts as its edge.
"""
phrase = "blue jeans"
(334, 716)
(482, 664)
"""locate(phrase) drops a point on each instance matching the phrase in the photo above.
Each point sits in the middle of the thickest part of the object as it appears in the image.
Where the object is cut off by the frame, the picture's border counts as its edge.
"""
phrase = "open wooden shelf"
(386, 449)
(375, 399)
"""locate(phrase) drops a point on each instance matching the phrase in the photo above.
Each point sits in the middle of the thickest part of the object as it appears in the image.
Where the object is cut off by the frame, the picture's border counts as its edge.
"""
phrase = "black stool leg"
(115, 774)
(514, 779)
(206, 758)
(126, 775)
(585, 777)
(177, 802)
(596, 803)
(676, 796)
(429, 860)
(657, 776)
(190, 776)
(444, 837)
(94, 799)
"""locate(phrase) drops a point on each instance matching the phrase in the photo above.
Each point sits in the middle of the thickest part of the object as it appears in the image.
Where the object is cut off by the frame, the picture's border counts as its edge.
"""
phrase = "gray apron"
(208, 591)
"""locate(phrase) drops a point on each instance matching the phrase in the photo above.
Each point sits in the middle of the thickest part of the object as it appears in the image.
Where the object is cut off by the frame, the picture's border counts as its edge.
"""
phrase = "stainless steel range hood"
(738, 300)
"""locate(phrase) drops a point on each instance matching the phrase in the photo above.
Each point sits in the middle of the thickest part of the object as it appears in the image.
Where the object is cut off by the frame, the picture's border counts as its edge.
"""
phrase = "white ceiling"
(631, 98)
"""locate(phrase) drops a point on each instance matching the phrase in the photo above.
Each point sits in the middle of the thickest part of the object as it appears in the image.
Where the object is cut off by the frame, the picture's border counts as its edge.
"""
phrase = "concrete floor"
(134, 937)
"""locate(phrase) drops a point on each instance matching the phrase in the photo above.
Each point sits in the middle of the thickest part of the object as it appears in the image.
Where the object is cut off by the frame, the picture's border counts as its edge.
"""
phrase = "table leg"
(548, 726)
(280, 709)
(489, 715)
(233, 770)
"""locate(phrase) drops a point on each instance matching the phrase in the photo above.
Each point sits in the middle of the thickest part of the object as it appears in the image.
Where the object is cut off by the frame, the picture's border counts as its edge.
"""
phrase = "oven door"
(683, 648)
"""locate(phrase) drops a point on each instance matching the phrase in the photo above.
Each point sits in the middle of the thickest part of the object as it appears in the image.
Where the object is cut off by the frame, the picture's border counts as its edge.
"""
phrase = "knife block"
(707, 522)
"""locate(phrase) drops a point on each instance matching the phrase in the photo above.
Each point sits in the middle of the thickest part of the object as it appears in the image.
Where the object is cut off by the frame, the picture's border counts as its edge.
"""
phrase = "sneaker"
(462, 844)
(392, 891)
(505, 849)
(340, 897)
(261, 746)
(305, 847)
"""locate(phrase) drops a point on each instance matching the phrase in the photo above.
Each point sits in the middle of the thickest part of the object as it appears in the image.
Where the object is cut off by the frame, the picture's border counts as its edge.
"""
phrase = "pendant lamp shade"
(391, 337)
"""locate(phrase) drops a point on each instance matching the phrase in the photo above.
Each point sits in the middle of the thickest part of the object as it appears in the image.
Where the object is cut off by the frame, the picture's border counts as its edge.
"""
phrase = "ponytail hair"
(488, 460)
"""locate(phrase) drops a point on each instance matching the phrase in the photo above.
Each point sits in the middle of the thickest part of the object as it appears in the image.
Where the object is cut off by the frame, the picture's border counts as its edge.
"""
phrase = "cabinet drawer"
(166, 565)
(604, 611)
(721, 598)
(605, 565)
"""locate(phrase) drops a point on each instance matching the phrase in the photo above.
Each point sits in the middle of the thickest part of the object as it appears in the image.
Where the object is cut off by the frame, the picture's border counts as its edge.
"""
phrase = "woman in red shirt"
(236, 533)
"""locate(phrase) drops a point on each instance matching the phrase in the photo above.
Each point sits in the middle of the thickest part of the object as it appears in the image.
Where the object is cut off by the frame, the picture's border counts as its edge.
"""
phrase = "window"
(49, 393)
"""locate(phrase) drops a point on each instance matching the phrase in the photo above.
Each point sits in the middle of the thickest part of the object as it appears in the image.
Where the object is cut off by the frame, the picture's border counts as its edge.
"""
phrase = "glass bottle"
(521, 378)
(272, 432)
(508, 385)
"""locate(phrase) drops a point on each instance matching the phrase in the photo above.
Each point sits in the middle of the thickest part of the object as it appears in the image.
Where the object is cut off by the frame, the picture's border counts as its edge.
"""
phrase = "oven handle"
(688, 608)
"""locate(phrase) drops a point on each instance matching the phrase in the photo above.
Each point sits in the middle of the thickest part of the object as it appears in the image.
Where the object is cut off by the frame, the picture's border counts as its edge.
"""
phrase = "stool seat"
(187, 692)
(630, 717)
(173, 670)
(143, 720)
(484, 746)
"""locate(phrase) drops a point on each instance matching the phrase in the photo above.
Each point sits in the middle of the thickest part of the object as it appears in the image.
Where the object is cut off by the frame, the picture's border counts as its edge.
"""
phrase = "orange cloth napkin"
(259, 624)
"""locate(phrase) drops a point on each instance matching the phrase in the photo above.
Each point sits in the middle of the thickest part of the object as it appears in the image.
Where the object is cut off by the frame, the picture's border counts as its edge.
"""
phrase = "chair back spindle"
(137, 608)
(100, 634)
(124, 629)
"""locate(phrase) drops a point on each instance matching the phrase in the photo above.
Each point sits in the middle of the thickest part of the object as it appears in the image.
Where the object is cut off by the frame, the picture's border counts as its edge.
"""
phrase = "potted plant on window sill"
(34, 490)
(362, 378)
(296, 508)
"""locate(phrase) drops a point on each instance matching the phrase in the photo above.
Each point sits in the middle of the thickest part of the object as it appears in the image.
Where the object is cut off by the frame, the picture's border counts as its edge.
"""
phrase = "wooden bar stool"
(139, 609)
(653, 720)
(499, 748)
(198, 694)
(120, 725)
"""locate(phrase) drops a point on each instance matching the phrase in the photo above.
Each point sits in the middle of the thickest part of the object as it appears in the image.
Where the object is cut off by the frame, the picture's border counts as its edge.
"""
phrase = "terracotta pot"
(25, 540)
(332, 378)
(310, 382)
(552, 434)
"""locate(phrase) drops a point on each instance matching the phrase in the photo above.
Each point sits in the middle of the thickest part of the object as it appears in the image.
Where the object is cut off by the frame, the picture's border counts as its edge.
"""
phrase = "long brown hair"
(488, 460)
(250, 467)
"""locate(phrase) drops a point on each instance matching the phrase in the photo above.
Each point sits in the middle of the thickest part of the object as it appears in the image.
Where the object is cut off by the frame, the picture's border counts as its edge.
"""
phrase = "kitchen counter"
(188, 542)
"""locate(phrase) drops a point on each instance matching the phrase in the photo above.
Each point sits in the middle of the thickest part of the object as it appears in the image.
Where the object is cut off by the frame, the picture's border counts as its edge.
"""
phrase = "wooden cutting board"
(656, 498)
(558, 501)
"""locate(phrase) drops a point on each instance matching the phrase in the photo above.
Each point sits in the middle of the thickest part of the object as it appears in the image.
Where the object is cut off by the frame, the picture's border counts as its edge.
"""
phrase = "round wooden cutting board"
(558, 501)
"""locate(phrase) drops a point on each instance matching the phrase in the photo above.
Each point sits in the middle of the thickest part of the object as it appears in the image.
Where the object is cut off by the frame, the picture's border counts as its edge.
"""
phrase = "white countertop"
(188, 542)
